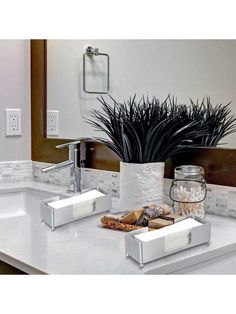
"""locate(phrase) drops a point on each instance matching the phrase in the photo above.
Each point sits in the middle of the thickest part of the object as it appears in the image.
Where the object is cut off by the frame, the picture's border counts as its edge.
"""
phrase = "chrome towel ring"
(90, 52)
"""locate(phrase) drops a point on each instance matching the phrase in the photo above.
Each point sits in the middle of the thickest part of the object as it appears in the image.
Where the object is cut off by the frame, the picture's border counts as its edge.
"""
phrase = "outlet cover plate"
(53, 122)
(13, 122)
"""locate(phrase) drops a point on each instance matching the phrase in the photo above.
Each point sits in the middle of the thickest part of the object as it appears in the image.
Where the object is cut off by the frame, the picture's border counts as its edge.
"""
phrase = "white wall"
(15, 93)
(153, 67)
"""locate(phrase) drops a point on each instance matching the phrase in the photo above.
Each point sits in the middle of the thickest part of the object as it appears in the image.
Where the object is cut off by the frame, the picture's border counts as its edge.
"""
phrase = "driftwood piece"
(115, 224)
(135, 219)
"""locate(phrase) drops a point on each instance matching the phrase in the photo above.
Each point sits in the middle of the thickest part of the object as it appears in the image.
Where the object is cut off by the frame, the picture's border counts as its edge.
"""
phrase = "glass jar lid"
(190, 172)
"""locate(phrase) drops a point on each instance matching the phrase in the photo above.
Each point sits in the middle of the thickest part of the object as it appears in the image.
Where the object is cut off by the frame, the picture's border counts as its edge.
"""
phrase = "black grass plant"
(218, 119)
(146, 130)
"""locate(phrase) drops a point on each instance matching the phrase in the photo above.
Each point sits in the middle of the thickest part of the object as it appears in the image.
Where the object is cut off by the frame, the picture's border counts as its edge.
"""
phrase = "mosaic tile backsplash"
(220, 200)
(106, 181)
(58, 177)
(15, 171)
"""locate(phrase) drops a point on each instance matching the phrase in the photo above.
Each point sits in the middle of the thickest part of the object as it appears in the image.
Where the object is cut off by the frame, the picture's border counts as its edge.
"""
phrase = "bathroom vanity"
(83, 247)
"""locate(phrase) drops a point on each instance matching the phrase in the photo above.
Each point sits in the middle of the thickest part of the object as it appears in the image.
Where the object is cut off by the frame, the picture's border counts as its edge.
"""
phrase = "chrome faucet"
(75, 174)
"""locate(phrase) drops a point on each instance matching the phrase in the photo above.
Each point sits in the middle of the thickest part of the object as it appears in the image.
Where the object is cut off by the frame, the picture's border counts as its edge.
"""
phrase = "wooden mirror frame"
(219, 163)
(43, 148)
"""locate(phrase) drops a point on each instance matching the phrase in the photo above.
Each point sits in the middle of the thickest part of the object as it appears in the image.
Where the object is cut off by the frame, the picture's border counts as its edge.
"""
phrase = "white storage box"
(56, 212)
(144, 246)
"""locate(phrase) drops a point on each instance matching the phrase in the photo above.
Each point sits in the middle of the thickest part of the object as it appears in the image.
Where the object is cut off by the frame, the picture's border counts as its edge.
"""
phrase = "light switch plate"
(13, 122)
(53, 122)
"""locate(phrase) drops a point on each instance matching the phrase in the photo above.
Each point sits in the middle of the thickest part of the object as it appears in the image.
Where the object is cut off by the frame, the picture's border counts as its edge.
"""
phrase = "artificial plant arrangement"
(146, 132)
(219, 121)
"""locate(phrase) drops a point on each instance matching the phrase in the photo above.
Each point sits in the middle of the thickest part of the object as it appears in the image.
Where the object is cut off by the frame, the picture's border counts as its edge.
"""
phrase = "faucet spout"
(61, 165)
(72, 162)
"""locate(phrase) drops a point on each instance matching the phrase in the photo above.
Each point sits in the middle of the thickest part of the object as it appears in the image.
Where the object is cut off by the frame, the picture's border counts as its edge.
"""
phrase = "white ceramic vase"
(141, 184)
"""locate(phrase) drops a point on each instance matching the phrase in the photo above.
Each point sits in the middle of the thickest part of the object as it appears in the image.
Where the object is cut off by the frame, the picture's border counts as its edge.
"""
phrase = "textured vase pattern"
(141, 184)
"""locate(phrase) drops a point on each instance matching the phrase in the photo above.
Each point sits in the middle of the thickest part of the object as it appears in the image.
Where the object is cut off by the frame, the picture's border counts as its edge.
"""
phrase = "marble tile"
(107, 181)
(60, 177)
(220, 200)
(11, 171)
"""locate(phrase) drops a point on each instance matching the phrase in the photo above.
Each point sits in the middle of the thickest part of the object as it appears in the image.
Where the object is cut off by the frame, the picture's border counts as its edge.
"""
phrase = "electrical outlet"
(13, 122)
(53, 122)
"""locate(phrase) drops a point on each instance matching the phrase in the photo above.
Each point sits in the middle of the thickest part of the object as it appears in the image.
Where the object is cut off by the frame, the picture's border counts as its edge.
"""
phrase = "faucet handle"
(75, 143)
(70, 144)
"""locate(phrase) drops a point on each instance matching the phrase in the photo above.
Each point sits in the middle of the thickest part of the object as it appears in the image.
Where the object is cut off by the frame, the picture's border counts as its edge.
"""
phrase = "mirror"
(184, 68)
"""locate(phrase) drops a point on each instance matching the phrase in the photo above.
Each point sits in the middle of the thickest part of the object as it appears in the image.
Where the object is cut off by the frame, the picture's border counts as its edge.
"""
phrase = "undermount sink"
(21, 201)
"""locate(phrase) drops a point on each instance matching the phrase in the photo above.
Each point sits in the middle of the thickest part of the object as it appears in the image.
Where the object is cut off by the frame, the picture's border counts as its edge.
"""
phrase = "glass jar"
(188, 190)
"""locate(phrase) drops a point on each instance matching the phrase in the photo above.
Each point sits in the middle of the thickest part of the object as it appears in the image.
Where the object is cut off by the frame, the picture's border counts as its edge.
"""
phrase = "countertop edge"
(20, 265)
(192, 260)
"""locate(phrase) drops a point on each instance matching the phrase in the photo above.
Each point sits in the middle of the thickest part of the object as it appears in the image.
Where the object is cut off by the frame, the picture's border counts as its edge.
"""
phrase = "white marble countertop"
(83, 247)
